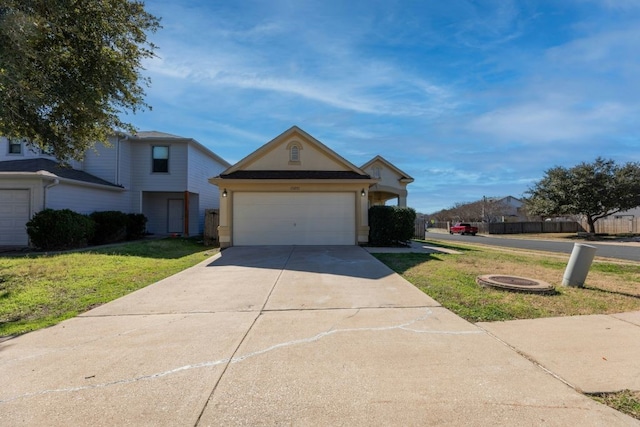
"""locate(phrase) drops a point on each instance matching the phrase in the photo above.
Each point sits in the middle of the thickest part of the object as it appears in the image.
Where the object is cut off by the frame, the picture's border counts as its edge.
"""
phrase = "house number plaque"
(295, 188)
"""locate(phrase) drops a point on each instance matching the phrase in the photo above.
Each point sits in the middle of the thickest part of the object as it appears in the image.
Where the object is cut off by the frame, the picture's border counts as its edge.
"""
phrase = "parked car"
(463, 228)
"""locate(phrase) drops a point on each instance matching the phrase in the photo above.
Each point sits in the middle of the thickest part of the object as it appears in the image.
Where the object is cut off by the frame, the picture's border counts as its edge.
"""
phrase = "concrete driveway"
(280, 336)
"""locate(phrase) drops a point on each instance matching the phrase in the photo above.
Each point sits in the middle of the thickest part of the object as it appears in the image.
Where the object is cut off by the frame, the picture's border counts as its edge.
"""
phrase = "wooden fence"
(629, 225)
(515, 227)
(211, 222)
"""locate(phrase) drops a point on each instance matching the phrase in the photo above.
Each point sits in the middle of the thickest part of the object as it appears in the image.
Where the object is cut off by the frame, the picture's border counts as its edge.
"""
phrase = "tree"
(69, 68)
(594, 190)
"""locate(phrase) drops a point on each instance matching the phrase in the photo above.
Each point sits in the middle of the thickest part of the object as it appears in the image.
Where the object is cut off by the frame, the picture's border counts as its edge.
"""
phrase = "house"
(160, 175)
(294, 190)
(392, 182)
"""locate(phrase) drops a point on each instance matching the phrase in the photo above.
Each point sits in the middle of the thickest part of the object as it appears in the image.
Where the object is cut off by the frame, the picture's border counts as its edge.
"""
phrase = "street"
(622, 251)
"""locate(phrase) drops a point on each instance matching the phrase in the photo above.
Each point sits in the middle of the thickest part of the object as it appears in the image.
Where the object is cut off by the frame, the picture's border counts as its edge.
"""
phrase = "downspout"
(55, 182)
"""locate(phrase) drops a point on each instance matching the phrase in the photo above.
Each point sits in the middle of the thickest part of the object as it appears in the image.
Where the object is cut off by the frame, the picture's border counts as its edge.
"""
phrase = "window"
(15, 146)
(160, 155)
(376, 172)
(294, 154)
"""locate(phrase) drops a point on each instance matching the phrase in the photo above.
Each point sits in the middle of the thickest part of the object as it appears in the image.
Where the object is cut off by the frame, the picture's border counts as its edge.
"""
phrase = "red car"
(463, 228)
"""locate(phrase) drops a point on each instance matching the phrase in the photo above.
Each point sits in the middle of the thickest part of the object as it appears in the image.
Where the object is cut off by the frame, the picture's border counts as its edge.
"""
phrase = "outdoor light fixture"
(362, 193)
(224, 193)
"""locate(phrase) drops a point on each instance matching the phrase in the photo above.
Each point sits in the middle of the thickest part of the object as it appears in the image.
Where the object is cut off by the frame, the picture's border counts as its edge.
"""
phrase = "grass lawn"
(450, 279)
(41, 290)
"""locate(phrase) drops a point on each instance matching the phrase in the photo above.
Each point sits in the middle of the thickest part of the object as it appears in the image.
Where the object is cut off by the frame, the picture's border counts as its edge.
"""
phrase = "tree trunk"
(592, 224)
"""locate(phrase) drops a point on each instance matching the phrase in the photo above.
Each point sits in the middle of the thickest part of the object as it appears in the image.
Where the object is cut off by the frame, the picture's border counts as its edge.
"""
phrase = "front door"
(175, 216)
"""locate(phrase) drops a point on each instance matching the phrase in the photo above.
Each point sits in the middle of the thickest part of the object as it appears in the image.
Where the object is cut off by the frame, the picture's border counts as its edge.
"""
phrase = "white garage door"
(294, 219)
(14, 214)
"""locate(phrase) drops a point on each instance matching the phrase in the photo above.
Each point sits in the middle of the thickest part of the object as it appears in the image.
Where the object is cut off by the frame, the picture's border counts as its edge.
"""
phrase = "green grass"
(450, 280)
(37, 291)
(626, 401)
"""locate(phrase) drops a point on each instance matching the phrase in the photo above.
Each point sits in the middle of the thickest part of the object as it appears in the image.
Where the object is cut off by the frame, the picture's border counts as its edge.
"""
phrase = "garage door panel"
(14, 214)
(294, 219)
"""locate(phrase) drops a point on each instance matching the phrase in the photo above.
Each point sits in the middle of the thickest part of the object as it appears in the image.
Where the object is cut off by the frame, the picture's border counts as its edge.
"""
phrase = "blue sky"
(470, 98)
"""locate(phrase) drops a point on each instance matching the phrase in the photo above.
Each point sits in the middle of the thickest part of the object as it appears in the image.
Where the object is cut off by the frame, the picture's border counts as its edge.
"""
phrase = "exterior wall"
(155, 206)
(143, 179)
(102, 161)
(226, 203)
(85, 200)
(388, 187)
(311, 158)
(201, 168)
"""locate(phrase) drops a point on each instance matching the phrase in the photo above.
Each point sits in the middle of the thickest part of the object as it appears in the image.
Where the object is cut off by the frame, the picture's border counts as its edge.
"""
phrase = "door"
(175, 216)
(14, 214)
(294, 219)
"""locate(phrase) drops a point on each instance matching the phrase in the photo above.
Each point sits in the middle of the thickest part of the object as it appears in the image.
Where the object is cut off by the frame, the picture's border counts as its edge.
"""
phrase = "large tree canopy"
(594, 190)
(70, 68)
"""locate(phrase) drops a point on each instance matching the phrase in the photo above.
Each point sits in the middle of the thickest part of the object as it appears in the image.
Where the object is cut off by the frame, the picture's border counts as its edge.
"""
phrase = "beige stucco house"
(294, 190)
(391, 182)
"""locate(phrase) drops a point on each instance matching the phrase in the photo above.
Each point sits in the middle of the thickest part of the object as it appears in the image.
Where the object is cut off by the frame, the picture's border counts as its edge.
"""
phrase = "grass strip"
(450, 280)
(37, 291)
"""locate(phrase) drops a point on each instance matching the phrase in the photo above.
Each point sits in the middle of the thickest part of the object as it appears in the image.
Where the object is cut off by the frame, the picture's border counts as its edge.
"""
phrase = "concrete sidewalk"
(281, 335)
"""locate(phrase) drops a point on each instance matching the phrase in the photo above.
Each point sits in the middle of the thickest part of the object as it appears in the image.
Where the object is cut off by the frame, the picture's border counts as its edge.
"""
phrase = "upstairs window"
(376, 172)
(15, 146)
(160, 156)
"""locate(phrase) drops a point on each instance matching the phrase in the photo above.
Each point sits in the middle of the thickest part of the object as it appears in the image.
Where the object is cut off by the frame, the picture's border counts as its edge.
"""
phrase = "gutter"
(55, 182)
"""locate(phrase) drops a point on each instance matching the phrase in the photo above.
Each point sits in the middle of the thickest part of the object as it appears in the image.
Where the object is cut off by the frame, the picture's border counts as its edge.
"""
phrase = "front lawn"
(41, 290)
(450, 279)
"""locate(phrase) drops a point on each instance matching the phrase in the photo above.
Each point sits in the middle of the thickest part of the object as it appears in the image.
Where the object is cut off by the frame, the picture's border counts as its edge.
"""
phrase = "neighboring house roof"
(404, 177)
(283, 174)
(39, 164)
(156, 134)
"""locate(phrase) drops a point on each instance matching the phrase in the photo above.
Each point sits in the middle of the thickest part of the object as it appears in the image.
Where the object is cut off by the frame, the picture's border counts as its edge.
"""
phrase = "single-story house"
(294, 190)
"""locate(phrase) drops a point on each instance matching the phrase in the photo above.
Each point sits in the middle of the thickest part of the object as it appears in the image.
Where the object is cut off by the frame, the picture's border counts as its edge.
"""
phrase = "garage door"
(294, 219)
(14, 214)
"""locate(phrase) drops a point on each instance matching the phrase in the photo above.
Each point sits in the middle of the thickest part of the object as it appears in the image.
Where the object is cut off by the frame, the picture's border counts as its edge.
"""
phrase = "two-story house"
(160, 175)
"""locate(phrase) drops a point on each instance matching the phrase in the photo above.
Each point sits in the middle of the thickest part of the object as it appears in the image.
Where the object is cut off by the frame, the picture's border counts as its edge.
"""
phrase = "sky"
(471, 98)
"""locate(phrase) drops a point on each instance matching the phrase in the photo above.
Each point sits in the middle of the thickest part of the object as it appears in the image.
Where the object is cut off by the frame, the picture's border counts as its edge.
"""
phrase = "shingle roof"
(258, 174)
(39, 164)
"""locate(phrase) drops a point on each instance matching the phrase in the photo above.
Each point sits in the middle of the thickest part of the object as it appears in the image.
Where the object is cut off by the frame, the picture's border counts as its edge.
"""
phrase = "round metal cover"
(515, 283)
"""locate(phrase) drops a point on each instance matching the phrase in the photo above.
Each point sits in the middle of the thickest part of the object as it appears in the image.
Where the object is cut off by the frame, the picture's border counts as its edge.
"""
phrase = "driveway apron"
(289, 335)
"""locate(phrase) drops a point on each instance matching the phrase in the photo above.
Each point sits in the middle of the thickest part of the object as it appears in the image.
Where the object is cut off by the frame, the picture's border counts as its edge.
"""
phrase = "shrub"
(60, 229)
(390, 224)
(136, 226)
(111, 226)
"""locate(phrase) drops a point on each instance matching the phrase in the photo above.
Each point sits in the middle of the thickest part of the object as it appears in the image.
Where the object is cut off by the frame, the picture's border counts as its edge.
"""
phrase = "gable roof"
(39, 164)
(404, 177)
(252, 174)
(353, 171)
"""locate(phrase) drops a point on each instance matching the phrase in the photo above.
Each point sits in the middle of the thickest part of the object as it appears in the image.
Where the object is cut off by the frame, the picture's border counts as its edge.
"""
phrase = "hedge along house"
(293, 190)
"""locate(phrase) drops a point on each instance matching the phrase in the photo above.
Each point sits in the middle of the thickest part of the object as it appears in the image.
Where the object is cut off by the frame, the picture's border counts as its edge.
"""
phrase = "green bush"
(60, 229)
(111, 226)
(389, 225)
(404, 221)
(136, 226)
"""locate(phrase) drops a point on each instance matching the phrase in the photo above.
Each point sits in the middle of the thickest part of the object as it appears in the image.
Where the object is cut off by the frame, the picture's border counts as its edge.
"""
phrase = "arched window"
(294, 154)
(294, 148)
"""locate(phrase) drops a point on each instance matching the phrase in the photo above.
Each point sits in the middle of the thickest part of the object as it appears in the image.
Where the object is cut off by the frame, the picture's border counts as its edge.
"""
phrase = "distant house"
(294, 190)
(160, 175)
